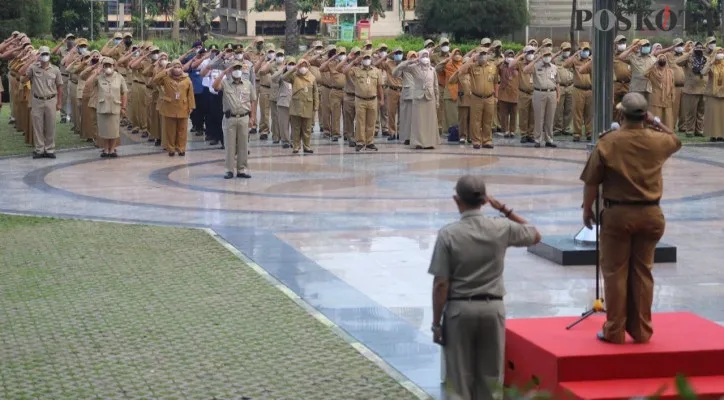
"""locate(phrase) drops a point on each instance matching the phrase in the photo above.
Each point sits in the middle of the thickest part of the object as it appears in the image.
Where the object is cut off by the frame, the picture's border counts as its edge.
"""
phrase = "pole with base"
(603, 33)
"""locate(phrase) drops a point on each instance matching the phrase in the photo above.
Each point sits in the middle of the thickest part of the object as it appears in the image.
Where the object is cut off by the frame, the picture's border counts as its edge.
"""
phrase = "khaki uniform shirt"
(716, 74)
(693, 83)
(238, 95)
(657, 97)
(483, 79)
(565, 75)
(628, 164)
(305, 95)
(110, 89)
(508, 89)
(639, 65)
(285, 89)
(336, 79)
(366, 80)
(177, 95)
(679, 76)
(274, 85)
(545, 76)
(525, 81)
(63, 52)
(44, 81)
(470, 253)
(621, 71)
(393, 81)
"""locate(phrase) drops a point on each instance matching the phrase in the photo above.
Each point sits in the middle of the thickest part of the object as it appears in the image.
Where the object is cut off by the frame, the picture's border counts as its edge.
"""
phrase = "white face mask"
(621, 47)
(425, 61)
(366, 62)
(719, 56)
(383, 54)
(566, 54)
(164, 63)
(509, 60)
(679, 49)
(445, 49)
(342, 57)
(270, 56)
(45, 59)
(82, 50)
(136, 53)
(236, 74)
(289, 67)
(280, 60)
(109, 71)
(547, 59)
(529, 57)
(302, 70)
(239, 56)
(711, 46)
(154, 57)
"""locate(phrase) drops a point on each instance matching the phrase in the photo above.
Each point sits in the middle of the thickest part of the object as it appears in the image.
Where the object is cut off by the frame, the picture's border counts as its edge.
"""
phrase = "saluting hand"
(493, 202)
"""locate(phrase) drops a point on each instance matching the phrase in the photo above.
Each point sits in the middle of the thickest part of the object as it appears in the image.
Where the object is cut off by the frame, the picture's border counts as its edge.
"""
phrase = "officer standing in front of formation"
(304, 105)
(367, 92)
(627, 164)
(239, 109)
(46, 84)
(484, 88)
(564, 109)
(582, 96)
(526, 120)
(468, 263)
(695, 83)
(178, 102)
(546, 94)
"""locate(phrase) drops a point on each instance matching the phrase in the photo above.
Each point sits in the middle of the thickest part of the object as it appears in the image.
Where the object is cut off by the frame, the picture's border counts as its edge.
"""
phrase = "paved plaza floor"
(351, 233)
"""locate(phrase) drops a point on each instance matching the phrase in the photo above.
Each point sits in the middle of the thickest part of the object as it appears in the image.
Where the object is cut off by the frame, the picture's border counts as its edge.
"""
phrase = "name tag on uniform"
(51, 82)
(553, 74)
(369, 81)
(306, 89)
(178, 96)
(531, 79)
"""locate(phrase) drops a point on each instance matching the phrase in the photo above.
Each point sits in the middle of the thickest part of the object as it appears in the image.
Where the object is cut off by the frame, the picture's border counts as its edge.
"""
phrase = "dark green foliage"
(472, 19)
(30, 16)
(74, 16)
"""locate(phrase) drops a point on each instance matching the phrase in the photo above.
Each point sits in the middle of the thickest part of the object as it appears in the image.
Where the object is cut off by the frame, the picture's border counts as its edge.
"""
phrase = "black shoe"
(243, 175)
(295, 152)
(135, 131)
(128, 128)
(721, 139)
(113, 155)
(151, 140)
(252, 131)
(537, 146)
(551, 145)
(49, 155)
(712, 139)
(229, 175)
(524, 140)
(309, 151)
(263, 136)
(576, 139)
(286, 145)
(352, 144)
(275, 141)
(699, 134)
(222, 147)
(476, 146)
(193, 129)
(104, 155)
(488, 146)
(371, 147)
(213, 143)
(359, 148)
(199, 133)
(407, 142)
(171, 154)
(181, 153)
(588, 138)
(157, 142)
(37, 155)
(144, 135)
(385, 133)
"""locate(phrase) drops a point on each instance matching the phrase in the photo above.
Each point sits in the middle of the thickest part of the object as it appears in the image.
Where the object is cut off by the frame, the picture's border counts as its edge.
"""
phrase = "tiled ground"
(352, 233)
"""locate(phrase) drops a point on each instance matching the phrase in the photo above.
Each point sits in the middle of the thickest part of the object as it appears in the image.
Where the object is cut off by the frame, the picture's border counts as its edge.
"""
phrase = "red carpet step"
(573, 362)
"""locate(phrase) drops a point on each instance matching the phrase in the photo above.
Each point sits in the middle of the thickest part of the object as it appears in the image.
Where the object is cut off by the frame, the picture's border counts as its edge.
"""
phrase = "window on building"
(409, 5)
(389, 5)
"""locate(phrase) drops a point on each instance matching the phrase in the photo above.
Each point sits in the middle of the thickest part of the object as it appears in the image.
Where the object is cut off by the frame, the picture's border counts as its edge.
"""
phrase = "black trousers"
(198, 116)
(214, 117)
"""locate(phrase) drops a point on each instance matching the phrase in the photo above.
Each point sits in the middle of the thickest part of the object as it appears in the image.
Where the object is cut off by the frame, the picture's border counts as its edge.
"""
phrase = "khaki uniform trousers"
(65, 110)
(620, 89)
(582, 110)
(440, 110)
(236, 142)
(140, 110)
(677, 108)
(450, 109)
(176, 130)
(526, 120)
(89, 125)
(348, 110)
(74, 116)
(264, 109)
(301, 132)
(508, 116)
(130, 85)
(564, 111)
(666, 114)
(481, 119)
(274, 121)
(78, 110)
(496, 118)
(392, 108)
(694, 113)
(43, 117)
(284, 124)
(365, 118)
(148, 103)
(382, 123)
(325, 116)
(336, 100)
(628, 240)
(474, 348)
(464, 122)
(544, 110)
(154, 123)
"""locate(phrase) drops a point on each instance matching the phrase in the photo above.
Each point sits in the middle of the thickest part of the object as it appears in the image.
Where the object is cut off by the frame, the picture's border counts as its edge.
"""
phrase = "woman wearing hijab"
(89, 125)
(661, 98)
(408, 86)
(714, 104)
(178, 101)
(445, 69)
(508, 94)
(284, 100)
(111, 95)
(304, 105)
(425, 96)
(154, 117)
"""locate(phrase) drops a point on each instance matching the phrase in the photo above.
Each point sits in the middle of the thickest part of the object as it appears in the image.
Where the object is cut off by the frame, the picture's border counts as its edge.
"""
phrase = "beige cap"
(366, 53)
(108, 60)
(269, 46)
(368, 43)
(330, 47)
(444, 41)
(471, 189)
(355, 49)
(528, 49)
(485, 41)
(16, 33)
(397, 50)
(341, 50)
(710, 40)
(643, 42)
(428, 42)
(43, 50)
(533, 42)
(497, 43)
(634, 104)
(289, 60)
(153, 49)
(280, 51)
(118, 35)
(175, 63)
(565, 46)
(547, 51)
(678, 42)
(81, 42)
(317, 43)
(237, 64)
(258, 39)
(127, 35)
(586, 45)
(547, 41)
(619, 38)
(70, 35)
(383, 46)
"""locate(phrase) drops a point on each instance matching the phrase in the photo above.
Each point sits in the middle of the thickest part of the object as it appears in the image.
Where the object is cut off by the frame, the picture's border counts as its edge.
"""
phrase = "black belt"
(477, 297)
(228, 114)
(395, 88)
(336, 88)
(642, 203)
(544, 90)
(566, 85)
(349, 94)
(327, 86)
(44, 98)
(679, 85)
(65, 75)
(141, 82)
(365, 98)
(618, 81)
(266, 86)
(482, 97)
(76, 82)
(149, 87)
(525, 91)
(581, 88)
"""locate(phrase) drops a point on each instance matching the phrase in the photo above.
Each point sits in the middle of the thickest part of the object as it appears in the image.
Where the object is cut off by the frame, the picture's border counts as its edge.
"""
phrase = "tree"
(468, 19)
(176, 33)
(197, 16)
(708, 12)
(74, 16)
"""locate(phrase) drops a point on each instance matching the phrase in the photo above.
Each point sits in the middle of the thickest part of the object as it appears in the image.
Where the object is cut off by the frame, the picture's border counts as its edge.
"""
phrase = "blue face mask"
(116, 41)
(397, 57)
(646, 50)
(585, 54)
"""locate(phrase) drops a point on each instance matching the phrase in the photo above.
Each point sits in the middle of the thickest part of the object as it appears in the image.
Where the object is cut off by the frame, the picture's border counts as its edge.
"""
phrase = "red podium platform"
(572, 364)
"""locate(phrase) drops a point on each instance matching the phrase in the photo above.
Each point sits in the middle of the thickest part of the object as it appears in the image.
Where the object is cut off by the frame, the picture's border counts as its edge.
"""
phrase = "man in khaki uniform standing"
(63, 48)
(393, 88)
(367, 92)
(564, 108)
(582, 100)
(639, 56)
(46, 84)
(325, 87)
(468, 263)
(436, 57)
(526, 120)
(348, 107)
(269, 68)
(484, 88)
(621, 71)
(337, 81)
(239, 109)
(694, 88)
(627, 164)
(545, 95)
(679, 80)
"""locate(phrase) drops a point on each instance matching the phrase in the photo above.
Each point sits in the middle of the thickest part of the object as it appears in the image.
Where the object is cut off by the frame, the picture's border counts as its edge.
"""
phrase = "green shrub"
(416, 43)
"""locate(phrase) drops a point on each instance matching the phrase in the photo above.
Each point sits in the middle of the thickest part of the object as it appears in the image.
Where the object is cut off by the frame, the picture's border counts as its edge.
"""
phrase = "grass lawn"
(13, 143)
(115, 311)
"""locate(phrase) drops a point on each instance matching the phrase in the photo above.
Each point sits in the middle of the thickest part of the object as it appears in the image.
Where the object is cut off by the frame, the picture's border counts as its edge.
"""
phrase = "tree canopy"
(467, 19)
(74, 16)
(30, 16)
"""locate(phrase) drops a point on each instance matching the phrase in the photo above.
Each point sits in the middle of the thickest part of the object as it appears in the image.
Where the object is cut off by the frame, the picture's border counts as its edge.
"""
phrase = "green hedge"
(416, 43)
